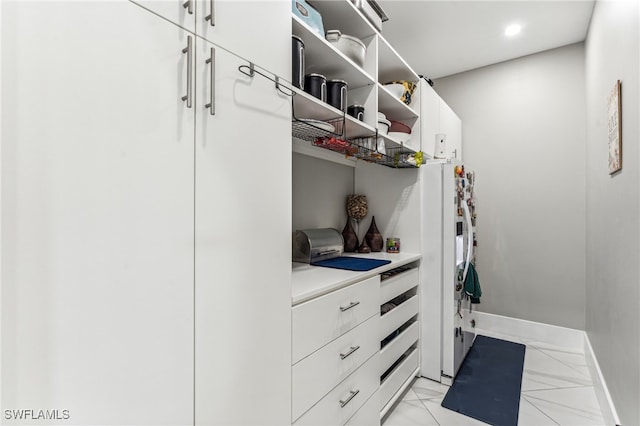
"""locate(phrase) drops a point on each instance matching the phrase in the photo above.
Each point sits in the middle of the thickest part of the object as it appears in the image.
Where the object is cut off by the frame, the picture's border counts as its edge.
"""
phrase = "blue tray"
(352, 263)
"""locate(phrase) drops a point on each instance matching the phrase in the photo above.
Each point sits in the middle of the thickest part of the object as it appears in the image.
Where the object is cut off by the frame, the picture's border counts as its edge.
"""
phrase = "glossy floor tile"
(556, 390)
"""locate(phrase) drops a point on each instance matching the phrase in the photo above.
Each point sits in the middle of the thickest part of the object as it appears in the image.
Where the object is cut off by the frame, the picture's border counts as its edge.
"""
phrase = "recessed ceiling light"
(512, 30)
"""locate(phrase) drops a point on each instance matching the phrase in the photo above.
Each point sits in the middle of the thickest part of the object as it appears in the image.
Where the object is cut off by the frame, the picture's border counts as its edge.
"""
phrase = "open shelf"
(322, 58)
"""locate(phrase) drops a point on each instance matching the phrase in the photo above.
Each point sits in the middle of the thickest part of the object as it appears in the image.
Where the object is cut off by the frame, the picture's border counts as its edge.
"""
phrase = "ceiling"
(440, 38)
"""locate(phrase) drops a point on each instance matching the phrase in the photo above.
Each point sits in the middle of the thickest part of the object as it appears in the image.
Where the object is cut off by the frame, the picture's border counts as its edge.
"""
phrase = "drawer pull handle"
(351, 305)
(349, 398)
(351, 350)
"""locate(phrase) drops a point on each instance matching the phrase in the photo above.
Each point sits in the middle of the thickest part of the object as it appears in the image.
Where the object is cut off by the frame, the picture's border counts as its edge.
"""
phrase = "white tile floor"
(556, 390)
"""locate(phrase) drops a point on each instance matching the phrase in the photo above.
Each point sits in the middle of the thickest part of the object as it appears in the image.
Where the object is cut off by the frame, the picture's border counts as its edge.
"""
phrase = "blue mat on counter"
(351, 263)
(488, 383)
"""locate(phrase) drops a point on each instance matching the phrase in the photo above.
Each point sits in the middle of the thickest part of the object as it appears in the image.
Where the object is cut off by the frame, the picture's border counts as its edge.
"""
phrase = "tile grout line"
(537, 408)
(429, 411)
(562, 362)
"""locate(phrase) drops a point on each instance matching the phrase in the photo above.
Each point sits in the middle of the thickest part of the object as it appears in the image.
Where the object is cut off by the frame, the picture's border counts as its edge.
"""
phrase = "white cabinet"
(145, 242)
(240, 26)
(247, 29)
(180, 12)
(438, 118)
(97, 214)
(242, 247)
(451, 125)
(381, 65)
(399, 333)
(335, 354)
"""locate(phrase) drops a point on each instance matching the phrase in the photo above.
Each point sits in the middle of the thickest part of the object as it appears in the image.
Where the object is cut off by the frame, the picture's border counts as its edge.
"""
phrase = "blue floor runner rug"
(488, 383)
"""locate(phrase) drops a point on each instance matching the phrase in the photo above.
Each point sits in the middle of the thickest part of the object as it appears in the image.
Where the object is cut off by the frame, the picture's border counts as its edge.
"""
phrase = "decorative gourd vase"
(373, 237)
(364, 247)
(350, 237)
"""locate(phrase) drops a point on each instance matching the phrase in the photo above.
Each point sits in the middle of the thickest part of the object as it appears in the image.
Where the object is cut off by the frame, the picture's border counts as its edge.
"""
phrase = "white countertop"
(309, 281)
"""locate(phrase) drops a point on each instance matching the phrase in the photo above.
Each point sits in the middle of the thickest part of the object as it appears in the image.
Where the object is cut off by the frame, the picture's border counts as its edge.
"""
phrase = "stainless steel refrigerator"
(448, 247)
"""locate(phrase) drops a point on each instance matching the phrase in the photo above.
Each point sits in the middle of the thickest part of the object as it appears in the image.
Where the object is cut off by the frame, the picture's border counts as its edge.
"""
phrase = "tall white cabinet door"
(97, 215)
(429, 117)
(256, 30)
(451, 125)
(180, 12)
(243, 247)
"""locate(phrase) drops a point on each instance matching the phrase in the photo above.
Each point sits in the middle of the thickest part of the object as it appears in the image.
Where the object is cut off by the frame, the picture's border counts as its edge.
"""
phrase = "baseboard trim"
(558, 336)
(535, 331)
(602, 391)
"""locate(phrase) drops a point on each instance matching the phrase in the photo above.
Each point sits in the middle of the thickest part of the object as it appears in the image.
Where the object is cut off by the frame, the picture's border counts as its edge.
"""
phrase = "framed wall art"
(615, 129)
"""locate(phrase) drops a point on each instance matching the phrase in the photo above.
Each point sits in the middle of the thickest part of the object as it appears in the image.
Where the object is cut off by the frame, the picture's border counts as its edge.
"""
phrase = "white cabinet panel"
(243, 246)
(318, 373)
(345, 399)
(321, 320)
(97, 199)
(451, 125)
(429, 117)
(180, 12)
(256, 30)
(437, 117)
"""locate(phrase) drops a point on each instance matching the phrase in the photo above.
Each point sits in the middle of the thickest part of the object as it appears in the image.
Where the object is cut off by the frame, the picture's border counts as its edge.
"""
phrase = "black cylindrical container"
(356, 111)
(297, 75)
(316, 85)
(337, 94)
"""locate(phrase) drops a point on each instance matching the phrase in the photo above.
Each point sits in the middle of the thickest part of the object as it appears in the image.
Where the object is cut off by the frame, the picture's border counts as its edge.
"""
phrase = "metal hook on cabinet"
(250, 71)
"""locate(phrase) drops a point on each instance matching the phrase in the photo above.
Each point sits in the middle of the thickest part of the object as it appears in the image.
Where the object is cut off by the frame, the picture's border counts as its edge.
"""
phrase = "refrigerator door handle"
(467, 215)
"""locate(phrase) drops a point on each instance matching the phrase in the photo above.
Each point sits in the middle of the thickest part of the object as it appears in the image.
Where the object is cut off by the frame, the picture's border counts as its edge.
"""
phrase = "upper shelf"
(307, 106)
(393, 107)
(322, 58)
(344, 16)
(391, 66)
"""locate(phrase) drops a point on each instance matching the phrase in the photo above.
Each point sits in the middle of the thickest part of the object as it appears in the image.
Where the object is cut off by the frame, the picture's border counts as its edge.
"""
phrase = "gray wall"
(613, 251)
(524, 134)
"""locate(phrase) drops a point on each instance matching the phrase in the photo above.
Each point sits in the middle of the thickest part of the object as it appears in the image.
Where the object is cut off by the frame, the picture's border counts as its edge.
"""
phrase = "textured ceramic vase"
(350, 237)
(373, 237)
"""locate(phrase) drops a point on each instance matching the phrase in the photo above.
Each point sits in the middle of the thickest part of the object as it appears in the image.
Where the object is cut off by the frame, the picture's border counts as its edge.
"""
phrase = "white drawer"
(317, 322)
(318, 373)
(394, 381)
(344, 400)
(392, 351)
(398, 284)
(398, 316)
(368, 414)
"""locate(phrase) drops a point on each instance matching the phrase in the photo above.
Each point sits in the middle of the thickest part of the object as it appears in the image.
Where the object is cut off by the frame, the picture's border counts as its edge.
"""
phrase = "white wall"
(524, 134)
(319, 193)
(613, 230)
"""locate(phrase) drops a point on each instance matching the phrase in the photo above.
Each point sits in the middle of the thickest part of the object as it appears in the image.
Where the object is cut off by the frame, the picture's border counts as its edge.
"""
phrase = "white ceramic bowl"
(396, 89)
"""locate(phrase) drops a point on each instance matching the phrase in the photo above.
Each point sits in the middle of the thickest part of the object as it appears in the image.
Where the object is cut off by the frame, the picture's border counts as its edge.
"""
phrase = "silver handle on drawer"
(211, 17)
(212, 84)
(351, 305)
(349, 398)
(351, 350)
(188, 51)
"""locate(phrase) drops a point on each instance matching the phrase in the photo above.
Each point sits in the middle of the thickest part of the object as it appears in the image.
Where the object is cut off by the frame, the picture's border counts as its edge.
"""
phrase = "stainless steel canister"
(297, 62)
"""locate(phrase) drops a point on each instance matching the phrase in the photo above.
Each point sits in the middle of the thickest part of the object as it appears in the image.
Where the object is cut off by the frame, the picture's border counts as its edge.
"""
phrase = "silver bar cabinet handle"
(189, 6)
(351, 305)
(351, 350)
(212, 88)
(211, 17)
(188, 50)
(349, 398)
